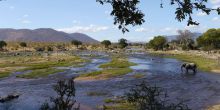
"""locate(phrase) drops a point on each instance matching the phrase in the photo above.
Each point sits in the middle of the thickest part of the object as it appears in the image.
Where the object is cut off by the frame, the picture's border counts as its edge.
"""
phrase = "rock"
(9, 98)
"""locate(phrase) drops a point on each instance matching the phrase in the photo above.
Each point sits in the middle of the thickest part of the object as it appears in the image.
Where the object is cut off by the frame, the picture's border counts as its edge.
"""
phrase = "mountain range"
(43, 35)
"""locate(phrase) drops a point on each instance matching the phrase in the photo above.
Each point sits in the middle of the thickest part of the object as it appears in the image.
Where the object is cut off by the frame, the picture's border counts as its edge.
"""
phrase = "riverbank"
(206, 62)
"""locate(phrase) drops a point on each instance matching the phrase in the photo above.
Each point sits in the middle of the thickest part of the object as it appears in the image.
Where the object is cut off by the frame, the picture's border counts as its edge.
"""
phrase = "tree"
(157, 43)
(65, 99)
(210, 39)
(2, 44)
(49, 48)
(106, 43)
(126, 12)
(145, 97)
(122, 43)
(76, 43)
(23, 44)
(185, 39)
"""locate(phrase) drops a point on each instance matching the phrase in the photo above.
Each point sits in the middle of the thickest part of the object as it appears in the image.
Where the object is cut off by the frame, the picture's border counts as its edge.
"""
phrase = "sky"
(93, 19)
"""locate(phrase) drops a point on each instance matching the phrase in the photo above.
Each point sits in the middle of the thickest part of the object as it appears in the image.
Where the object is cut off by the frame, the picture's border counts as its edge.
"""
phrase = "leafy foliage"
(122, 43)
(23, 44)
(76, 43)
(210, 39)
(2, 44)
(146, 97)
(126, 12)
(158, 43)
(65, 99)
(106, 43)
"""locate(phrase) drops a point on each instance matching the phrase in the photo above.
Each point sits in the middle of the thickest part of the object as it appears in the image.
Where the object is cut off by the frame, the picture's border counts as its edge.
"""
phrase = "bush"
(106, 43)
(39, 49)
(210, 38)
(49, 49)
(65, 99)
(158, 43)
(145, 97)
(122, 43)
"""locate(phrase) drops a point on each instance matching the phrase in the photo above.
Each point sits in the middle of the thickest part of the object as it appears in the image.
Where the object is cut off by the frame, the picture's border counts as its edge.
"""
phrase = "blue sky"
(89, 17)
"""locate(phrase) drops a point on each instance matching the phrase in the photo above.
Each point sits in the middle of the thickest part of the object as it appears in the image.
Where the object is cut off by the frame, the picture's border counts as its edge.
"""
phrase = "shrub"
(65, 99)
(145, 97)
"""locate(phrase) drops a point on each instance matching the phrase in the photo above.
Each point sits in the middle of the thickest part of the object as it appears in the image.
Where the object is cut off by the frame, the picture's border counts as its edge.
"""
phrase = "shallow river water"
(198, 91)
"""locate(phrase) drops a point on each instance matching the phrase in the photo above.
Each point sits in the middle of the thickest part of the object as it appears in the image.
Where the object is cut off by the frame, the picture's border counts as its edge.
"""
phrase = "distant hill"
(43, 35)
(173, 37)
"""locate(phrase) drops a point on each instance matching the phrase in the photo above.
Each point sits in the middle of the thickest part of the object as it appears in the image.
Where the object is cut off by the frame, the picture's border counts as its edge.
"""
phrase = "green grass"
(94, 93)
(4, 74)
(204, 64)
(138, 75)
(117, 67)
(108, 73)
(37, 63)
(75, 61)
(117, 63)
(40, 73)
(95, 73)
(118, 105)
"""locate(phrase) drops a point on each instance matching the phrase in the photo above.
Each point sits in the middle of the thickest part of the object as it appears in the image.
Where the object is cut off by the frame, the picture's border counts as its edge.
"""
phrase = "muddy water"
(198, 91)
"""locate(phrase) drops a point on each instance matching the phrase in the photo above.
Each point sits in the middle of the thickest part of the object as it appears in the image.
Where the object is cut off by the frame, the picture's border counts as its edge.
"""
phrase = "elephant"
(189, 66)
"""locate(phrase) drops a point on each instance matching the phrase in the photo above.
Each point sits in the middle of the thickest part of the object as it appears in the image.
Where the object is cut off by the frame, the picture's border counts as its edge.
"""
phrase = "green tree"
(157, 43)
(210, 39)
(106, 43)
(126, 12)
(122, 43)
(23, 45)
(2, 44)
(76, 43)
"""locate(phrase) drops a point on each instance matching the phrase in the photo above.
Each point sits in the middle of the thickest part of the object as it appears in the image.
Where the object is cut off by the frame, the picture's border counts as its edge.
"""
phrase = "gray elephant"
(189, 66)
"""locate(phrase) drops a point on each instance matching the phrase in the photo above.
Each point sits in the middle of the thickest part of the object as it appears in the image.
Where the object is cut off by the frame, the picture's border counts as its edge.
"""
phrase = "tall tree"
(106, 43)
(157, 43)
(210, 39)
(126, 12)
(23, 44)
(2, 44)
(184, 37)
(76, 43)
(122, 43)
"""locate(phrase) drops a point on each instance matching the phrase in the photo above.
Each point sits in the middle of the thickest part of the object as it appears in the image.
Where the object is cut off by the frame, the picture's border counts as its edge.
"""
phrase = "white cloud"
(196, 28)
(143, 30)
(216, 6)
(201, 14)
(215, 3)
(216, 19)
(169, 30)
(25, 21)
(90, 28)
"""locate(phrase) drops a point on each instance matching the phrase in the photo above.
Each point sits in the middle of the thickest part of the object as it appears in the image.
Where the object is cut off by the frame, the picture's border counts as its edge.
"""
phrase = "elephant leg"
(194, 70)
(187, 70)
